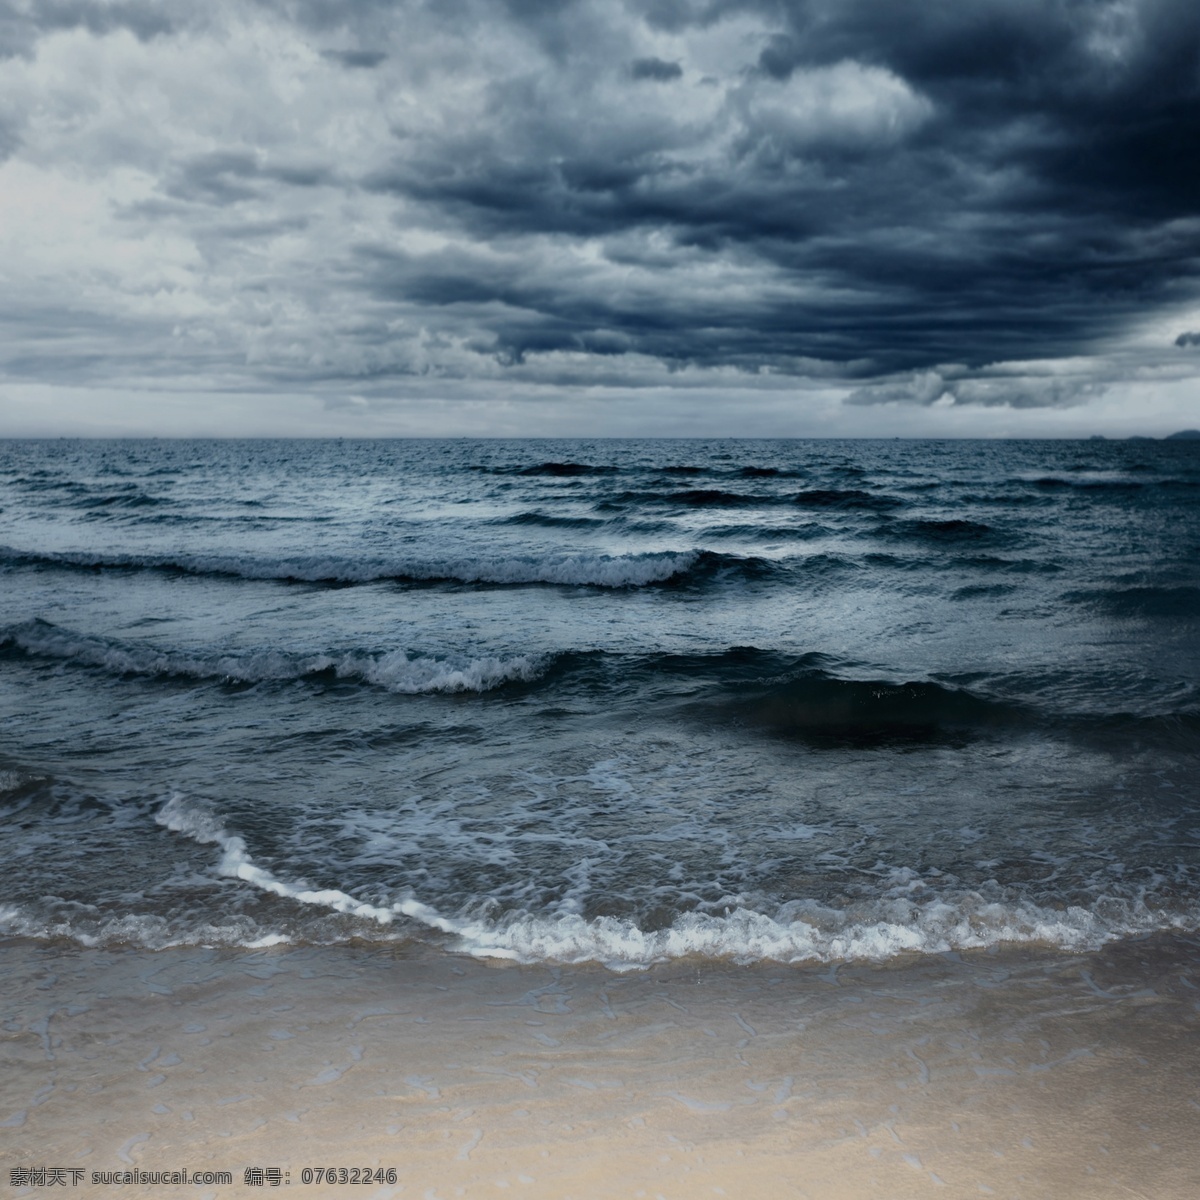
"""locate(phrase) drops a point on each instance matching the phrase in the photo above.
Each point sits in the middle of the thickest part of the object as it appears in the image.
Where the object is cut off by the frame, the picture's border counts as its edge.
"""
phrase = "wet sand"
(1022, 1073)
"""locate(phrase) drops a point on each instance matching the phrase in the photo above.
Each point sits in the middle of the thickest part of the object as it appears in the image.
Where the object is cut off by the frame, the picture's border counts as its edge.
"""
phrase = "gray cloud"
(10, 137)
(656, 69)
(356, 59)
(948, 389)
(827, 189)
(22, 25)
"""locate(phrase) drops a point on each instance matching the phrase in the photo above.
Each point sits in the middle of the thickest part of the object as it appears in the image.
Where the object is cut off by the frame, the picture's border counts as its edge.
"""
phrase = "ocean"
(611, 701)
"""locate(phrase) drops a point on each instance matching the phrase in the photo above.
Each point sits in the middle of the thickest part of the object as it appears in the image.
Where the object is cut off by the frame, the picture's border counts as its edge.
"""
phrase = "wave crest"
(394, 671)
(569, 569)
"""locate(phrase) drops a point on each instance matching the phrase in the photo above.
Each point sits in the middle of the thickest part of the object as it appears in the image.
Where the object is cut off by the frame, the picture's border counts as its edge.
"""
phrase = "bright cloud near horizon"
(586, 217)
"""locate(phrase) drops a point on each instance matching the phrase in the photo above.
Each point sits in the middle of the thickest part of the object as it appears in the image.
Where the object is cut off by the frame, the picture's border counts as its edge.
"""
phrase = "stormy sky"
(770, 217)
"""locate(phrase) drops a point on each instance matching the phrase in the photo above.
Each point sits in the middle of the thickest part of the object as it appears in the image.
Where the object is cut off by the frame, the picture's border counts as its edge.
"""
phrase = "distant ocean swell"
(1082, 478)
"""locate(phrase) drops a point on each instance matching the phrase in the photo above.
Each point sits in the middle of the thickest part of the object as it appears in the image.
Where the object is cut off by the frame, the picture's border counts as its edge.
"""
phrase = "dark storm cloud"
(1040, 202)
(1188, 339)
(895, 194)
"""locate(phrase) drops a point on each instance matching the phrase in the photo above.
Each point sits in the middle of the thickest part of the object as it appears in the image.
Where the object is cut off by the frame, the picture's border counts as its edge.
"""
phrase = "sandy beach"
(1022, 1073)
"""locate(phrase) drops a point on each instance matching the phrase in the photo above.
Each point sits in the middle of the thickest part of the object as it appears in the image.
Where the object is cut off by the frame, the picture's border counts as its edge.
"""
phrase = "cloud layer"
(360, 201)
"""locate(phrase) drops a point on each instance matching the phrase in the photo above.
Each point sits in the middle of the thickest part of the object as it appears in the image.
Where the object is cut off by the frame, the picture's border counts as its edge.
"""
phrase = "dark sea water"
(600, 700)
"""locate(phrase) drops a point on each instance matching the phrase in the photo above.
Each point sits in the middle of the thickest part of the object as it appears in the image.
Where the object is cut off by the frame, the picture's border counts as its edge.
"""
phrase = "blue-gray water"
(613, 700)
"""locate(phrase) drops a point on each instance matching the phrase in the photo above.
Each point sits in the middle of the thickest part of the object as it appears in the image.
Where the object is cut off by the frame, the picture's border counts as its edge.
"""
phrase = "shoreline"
(1023, 1072)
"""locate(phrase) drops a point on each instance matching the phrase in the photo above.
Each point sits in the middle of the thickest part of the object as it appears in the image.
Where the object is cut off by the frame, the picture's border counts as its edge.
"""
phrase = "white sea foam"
(801, 931)
(139, 929)
(194, 821)
(399, 673)
(396, 670)
(747, 936)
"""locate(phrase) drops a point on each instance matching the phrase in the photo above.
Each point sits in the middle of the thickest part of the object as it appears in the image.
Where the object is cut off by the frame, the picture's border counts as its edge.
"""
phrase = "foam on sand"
(801, 931)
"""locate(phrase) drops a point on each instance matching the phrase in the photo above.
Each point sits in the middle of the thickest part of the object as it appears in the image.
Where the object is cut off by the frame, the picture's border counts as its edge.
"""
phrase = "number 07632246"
(349, 1175)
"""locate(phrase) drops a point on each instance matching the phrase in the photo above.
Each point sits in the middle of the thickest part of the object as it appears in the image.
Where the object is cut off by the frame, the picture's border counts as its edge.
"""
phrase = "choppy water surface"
(615, 700)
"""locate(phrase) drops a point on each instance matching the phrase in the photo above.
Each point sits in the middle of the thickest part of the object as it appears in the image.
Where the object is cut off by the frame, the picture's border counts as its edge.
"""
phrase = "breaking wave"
(395, 671)
(654, 568)
(807, 932)
(905, 917)
(577, 570)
